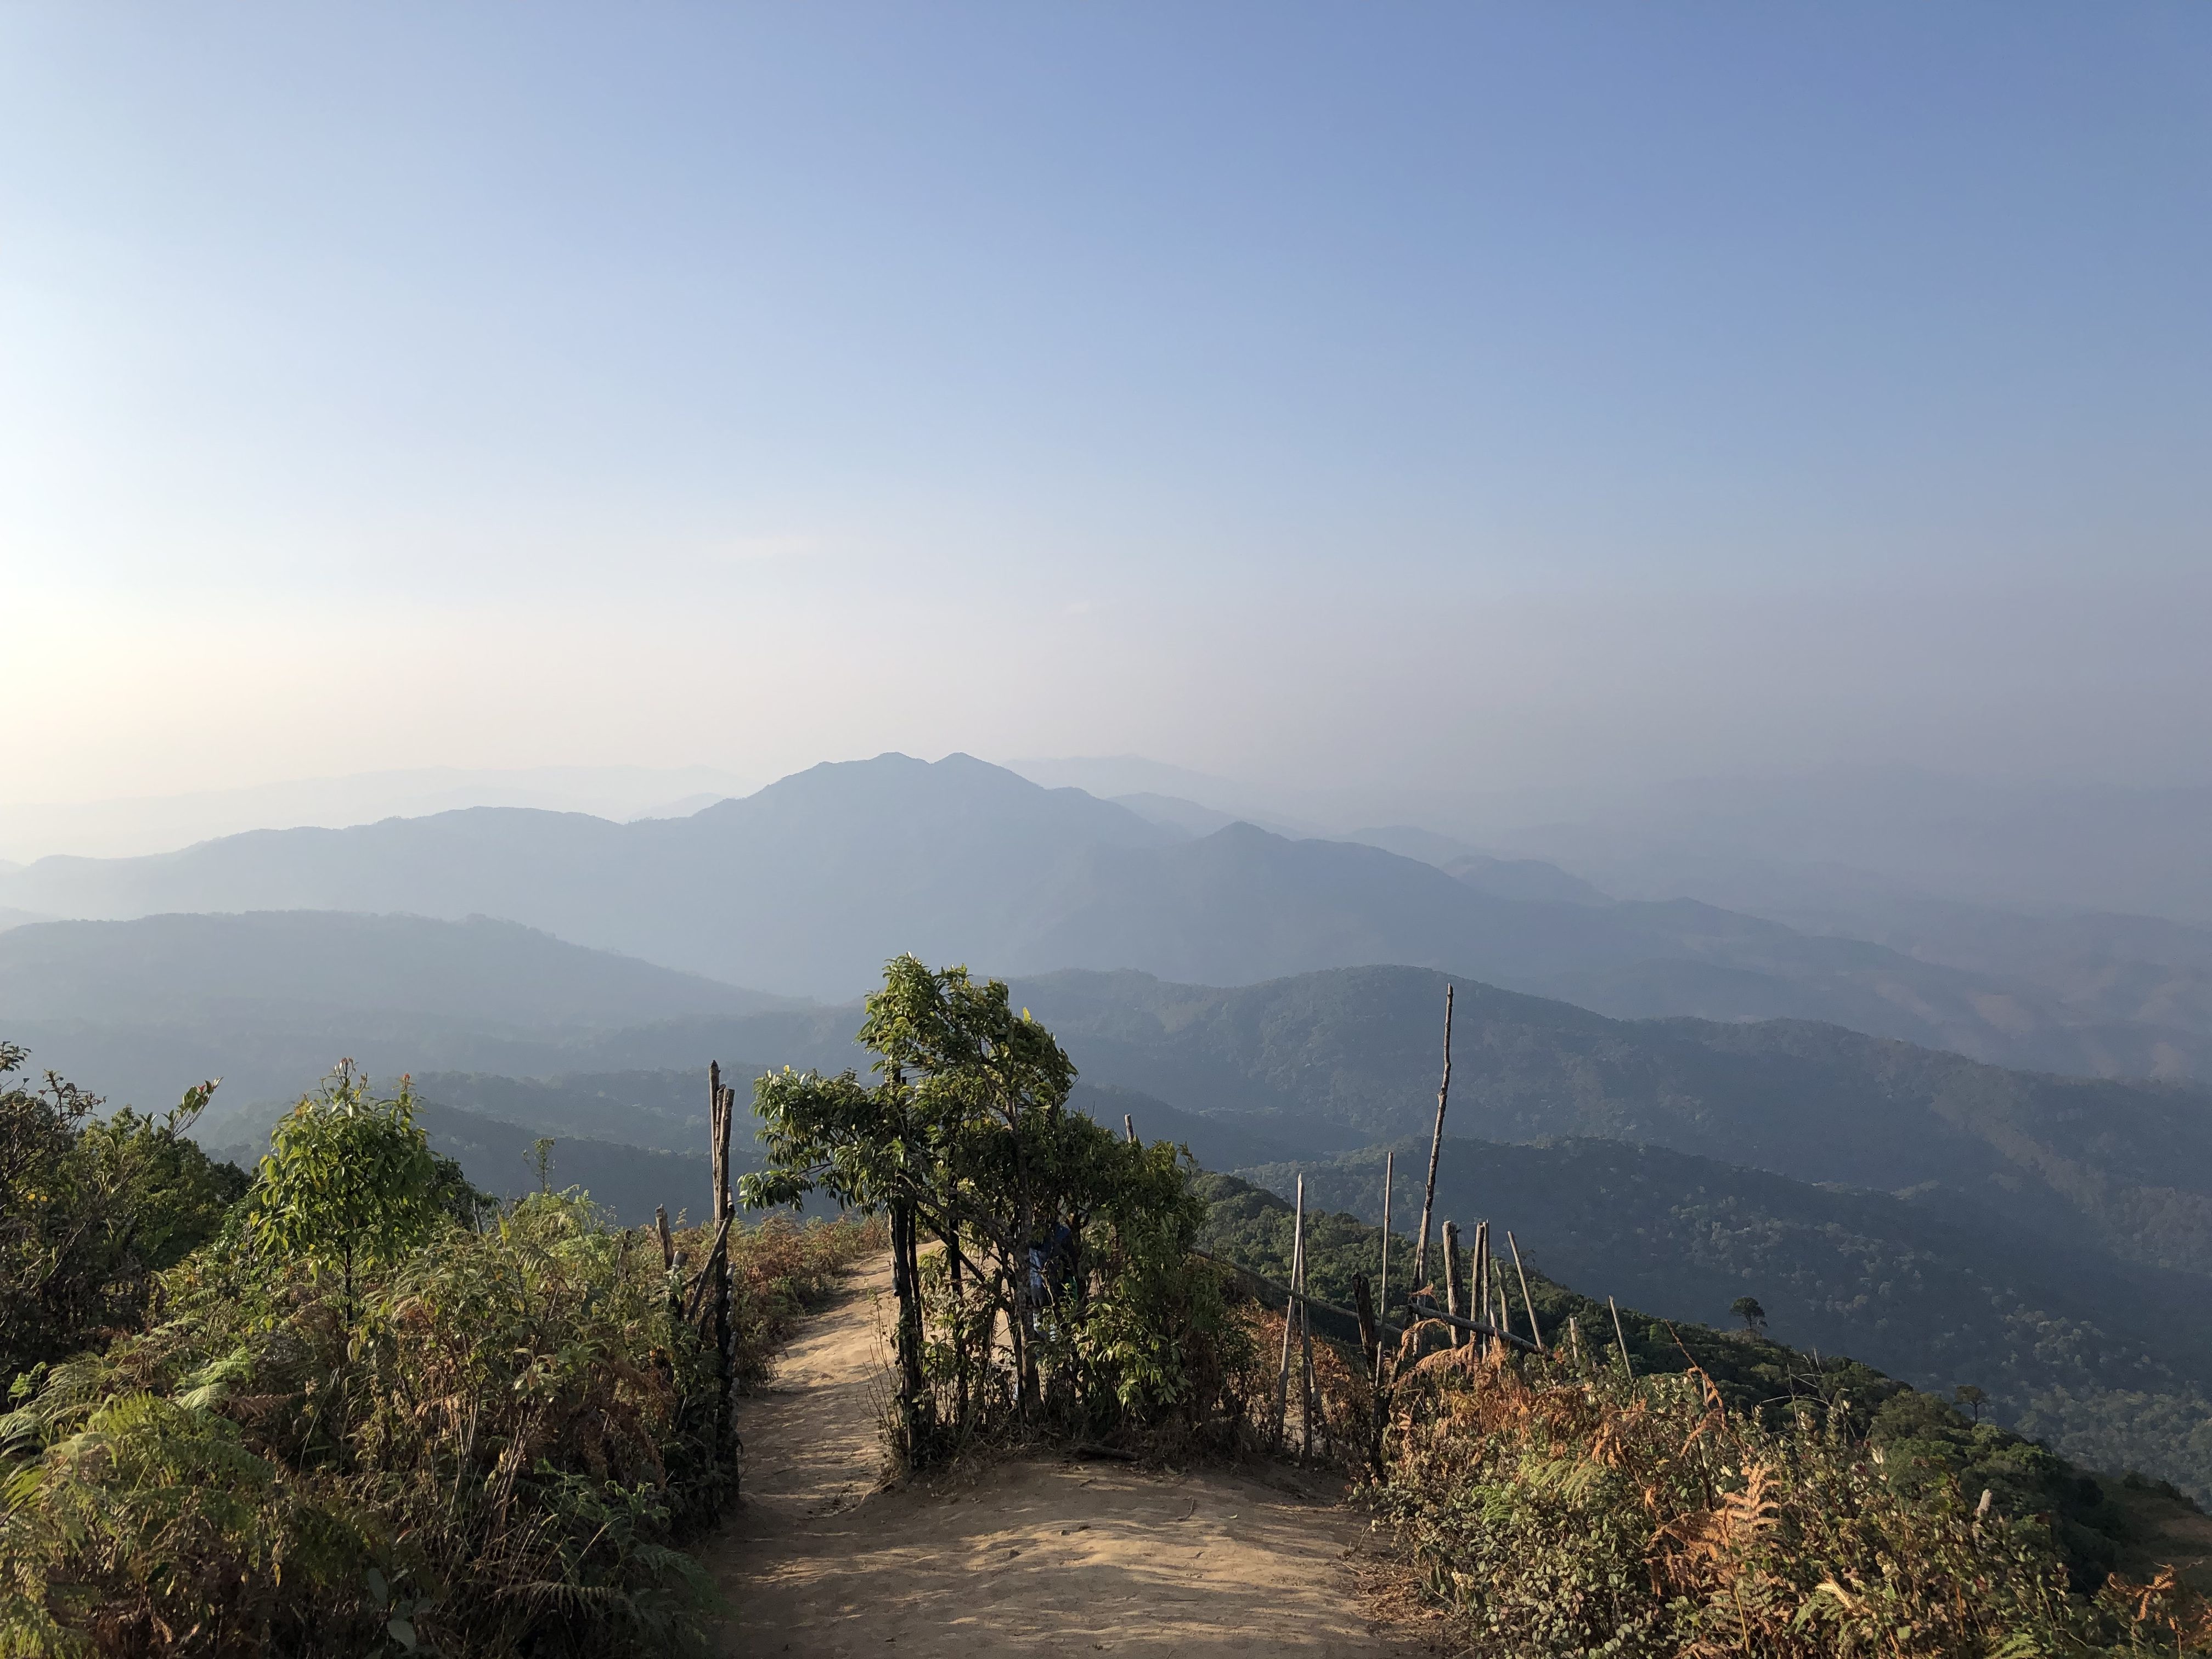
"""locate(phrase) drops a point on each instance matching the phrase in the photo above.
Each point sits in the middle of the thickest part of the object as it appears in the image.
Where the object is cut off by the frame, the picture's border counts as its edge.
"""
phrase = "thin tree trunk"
(1435, 1148)
(949, 1239)
(907, 1350)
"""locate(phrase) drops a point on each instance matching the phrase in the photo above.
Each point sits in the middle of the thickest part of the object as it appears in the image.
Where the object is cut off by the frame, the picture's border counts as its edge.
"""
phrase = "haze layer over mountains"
(804, 887)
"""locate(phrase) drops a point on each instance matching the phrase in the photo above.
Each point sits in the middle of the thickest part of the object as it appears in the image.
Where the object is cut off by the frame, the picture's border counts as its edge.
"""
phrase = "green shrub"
(91, 1208)
(351, 1182)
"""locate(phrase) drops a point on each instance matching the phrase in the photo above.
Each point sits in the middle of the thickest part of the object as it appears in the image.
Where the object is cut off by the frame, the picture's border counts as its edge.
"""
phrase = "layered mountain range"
(1665, 1097)
(804, 888)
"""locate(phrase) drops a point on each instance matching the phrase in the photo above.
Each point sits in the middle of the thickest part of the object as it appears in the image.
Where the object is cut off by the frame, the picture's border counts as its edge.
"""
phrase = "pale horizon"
(1420, 401)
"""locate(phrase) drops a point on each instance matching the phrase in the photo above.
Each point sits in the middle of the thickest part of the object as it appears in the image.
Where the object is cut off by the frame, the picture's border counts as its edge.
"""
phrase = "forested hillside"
(1350, 1055)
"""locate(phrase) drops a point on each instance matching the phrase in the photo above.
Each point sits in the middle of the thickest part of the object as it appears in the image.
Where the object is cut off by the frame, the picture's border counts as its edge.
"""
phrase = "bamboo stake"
(1575, 1338)
(1129, 1127)
(1526, 1300)
(1453, 1289)
(1436, 1149)
(1622, 1337)
(667, 1238)
(1291, 1313)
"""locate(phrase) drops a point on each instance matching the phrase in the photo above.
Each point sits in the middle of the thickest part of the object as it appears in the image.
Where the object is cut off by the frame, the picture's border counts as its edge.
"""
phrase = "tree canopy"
(1059, 1284)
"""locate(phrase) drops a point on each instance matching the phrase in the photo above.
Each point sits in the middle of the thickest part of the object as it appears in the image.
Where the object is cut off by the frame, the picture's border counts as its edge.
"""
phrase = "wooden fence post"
(1478, 1288)
(1291, 1314)
(722, 1103)
(1453, 1289)
(1363, 1305)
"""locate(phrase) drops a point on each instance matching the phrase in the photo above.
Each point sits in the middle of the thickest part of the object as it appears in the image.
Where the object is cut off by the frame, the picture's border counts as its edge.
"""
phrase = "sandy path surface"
(1040, 1557)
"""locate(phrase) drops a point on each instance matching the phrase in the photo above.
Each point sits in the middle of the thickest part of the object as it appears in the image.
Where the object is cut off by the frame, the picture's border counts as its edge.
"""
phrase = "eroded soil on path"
(1042, 1557)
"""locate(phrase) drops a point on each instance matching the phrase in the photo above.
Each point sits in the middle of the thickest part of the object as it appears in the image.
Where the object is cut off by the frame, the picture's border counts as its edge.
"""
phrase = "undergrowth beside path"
(478, 1432)
(1556, 1509)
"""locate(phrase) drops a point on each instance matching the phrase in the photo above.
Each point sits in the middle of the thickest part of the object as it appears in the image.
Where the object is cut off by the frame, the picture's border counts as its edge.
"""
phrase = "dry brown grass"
(1549, 1510)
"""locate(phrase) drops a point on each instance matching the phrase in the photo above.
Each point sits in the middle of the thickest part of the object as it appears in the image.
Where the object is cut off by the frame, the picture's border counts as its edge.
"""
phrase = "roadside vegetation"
(1715, 1491)
(347, 1405)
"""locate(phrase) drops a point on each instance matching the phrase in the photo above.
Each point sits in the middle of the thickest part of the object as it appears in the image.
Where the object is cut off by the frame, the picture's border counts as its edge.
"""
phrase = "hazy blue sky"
(1501, 393)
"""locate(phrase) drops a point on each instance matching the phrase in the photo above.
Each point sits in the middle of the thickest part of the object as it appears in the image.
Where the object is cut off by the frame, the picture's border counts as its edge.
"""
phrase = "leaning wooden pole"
(1306, 1365)
(1436, 1149)
(1291, 1314)
(1526, 1300)
(1382, 1281)
(1622, 1337)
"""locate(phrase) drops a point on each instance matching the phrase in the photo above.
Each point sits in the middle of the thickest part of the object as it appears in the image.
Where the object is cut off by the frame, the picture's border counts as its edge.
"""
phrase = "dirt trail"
(1039, 1558)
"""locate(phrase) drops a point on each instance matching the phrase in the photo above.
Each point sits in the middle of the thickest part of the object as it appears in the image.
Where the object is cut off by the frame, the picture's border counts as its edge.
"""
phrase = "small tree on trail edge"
(1066, 1238)
(1746, 1308)
(351, 1182)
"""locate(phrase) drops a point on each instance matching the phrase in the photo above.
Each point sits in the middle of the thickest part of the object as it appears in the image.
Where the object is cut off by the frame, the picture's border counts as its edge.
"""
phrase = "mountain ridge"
(807, 885)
